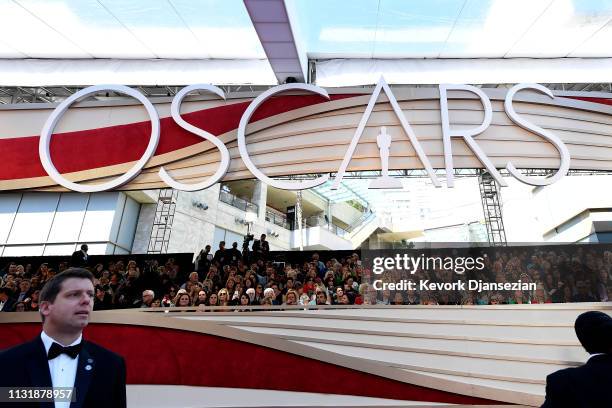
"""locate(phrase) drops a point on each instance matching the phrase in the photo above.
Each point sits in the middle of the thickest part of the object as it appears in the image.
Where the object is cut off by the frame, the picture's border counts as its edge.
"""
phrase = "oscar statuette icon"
(383, 140)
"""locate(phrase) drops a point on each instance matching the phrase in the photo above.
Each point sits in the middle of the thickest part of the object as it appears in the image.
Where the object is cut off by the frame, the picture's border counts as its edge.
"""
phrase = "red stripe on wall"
(605, 101)
(93, 148)
(176, 357)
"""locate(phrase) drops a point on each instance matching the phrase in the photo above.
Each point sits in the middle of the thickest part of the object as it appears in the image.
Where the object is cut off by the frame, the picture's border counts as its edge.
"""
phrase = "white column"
(260, 196)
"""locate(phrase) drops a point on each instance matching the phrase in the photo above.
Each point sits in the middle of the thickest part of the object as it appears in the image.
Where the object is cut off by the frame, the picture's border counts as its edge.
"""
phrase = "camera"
(247, 238)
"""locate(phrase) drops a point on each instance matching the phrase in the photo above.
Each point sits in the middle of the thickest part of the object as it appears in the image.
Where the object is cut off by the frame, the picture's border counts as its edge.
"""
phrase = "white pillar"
(260, 196)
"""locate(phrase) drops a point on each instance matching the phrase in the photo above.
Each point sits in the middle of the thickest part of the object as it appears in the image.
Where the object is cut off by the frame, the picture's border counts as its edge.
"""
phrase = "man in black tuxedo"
(80, 258)
(261, 248)
(589, 385)
(6, 303)
(58, 357)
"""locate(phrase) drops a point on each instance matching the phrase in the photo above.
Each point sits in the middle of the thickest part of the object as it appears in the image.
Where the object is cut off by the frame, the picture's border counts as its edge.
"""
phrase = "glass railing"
(277, 219)
(241, 203)
(320, 221)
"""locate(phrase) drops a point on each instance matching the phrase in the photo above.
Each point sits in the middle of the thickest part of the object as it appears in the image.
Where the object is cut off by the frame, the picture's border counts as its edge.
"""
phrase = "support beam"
(271, 21)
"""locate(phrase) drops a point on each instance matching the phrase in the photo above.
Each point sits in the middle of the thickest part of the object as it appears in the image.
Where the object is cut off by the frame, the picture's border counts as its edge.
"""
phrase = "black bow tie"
(56, 350)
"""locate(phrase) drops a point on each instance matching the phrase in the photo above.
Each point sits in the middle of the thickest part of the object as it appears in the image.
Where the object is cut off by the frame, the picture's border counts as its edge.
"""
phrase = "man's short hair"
(594, 330)
(148, 292)
(54, 285)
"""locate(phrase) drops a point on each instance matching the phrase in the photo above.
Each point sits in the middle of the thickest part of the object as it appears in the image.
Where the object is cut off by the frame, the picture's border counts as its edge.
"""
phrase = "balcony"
(277, 218)
(320, 221)
(237, 202)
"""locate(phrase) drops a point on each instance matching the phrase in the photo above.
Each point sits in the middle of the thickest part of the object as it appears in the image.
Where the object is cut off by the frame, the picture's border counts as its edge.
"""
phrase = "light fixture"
(200, 205)
(250, 217)
(273, 233)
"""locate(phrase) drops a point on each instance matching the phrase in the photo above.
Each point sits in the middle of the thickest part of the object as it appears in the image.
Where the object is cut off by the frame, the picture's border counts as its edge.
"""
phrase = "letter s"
(559, 145)
(175, 110)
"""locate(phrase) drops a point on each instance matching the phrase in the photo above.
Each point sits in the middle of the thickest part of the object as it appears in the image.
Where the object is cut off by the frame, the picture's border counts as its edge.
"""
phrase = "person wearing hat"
(589, 385)
(59, 357)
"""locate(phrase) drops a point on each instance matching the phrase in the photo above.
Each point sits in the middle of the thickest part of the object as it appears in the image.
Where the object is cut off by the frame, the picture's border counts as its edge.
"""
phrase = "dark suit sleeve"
(554, 391)
(120, 398)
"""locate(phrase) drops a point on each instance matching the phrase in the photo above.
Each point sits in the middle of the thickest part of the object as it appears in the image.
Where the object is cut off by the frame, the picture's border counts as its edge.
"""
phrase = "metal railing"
(277, 219)
(320, 221)
(240, 203)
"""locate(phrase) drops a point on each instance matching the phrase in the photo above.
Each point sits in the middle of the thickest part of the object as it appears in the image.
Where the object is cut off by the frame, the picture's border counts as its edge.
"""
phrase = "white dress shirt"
(595, 354)
(63, 368)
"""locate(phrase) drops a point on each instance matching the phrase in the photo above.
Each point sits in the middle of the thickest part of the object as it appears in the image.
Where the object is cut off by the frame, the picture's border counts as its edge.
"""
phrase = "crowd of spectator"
(230, 277)
(560, 274)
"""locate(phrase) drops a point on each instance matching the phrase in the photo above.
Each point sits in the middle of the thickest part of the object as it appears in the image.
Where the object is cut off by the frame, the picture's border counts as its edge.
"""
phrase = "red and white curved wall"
(480, 355)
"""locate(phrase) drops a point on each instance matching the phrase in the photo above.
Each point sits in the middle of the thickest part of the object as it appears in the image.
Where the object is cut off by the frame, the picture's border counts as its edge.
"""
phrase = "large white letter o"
(56, 115)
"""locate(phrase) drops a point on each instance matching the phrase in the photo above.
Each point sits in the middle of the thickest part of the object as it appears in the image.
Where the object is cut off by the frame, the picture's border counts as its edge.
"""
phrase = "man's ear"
(44, 309)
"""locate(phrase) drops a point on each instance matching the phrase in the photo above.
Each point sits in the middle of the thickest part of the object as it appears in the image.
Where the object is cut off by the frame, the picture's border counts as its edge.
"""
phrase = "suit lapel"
(84, 373)
(38, 367)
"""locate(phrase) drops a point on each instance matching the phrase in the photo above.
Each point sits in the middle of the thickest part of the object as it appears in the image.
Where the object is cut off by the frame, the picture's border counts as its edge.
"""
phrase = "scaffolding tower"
(491, 205)
(162, 223)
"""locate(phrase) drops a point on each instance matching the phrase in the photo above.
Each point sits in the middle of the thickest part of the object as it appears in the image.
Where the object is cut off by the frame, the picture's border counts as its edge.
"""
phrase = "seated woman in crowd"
(32, 302)
(245, 300)
(183, 300)
(291, 298)
(201, 299)
(213, 300)
(224, 299)
(398, 299)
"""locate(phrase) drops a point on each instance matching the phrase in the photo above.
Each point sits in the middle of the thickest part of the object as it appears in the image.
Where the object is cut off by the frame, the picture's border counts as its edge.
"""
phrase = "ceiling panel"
(223, 27)
(88, 24)
(27, 34)
(9, 52)
(489, 28)
(562, 28)
(134, 29)
(414, 28)
(158, 26)
(331, 28)
(598, 45)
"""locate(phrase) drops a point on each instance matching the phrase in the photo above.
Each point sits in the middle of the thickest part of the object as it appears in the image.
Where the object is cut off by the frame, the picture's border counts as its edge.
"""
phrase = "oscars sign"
(383, 140)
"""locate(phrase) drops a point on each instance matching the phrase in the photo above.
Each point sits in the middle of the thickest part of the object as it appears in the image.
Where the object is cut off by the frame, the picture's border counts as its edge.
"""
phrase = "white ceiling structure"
(263, 42)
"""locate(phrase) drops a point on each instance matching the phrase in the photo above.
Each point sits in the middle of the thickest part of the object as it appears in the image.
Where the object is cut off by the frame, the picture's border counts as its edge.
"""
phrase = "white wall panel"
(119, 251)
(218, 237)
(34, 218)
(55, 223)
(100, 249)
(99, 217)
(8, 207)
(68, 218)
(127, 228)
(59, 249)
(231, 237)
(23, 250)
(116, 224)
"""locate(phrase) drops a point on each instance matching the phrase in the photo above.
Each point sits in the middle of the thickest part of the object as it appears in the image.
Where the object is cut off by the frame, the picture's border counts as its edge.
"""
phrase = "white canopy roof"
(265, 41)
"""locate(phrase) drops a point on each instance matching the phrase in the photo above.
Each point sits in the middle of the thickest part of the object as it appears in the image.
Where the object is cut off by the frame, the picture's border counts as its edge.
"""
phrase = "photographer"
(220, 257)
(234, 254)
(203, 262)
(261, 248)
(245, 248)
